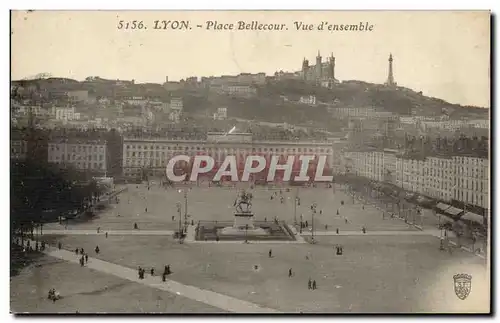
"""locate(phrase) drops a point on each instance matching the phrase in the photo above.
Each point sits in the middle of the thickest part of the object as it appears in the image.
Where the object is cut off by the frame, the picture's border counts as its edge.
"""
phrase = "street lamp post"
(178, 204)
(295, 206)
(313, 211)
(185, 207)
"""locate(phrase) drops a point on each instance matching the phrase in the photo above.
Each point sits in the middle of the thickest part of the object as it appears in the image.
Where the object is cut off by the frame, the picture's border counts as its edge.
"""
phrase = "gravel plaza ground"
(88, 291)
(393, 273)
(216, 204)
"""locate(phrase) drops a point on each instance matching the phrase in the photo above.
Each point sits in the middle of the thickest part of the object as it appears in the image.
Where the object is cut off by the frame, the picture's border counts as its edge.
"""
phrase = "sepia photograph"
(250, 162)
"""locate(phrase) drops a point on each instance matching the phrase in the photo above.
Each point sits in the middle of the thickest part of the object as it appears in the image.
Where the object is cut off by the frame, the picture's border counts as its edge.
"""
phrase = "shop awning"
(473, 217)
(442, 206)
(445, 219)
(453, 210)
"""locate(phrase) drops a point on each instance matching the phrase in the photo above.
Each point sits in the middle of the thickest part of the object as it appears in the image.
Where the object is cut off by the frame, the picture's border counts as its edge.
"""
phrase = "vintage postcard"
(250, 162)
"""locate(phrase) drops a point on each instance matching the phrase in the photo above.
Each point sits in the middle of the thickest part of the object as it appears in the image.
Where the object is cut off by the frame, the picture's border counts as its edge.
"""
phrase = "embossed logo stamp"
(463, 284)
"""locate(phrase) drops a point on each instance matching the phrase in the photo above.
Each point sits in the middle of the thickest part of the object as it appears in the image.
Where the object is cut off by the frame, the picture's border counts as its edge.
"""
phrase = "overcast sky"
(443, 54)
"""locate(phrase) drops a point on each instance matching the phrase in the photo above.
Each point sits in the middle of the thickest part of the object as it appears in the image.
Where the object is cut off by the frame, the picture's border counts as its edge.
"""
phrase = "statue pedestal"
(243, 226)
(242, 220)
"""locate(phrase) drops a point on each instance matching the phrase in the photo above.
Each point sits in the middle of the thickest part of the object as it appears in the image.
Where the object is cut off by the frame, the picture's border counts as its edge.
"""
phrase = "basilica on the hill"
(322, 73)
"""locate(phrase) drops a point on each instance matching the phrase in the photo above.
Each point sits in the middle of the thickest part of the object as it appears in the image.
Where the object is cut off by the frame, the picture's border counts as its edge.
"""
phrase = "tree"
(38, 187)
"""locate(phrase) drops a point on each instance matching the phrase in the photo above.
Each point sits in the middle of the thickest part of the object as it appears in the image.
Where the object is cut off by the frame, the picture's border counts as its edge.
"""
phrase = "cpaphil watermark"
(299, 166)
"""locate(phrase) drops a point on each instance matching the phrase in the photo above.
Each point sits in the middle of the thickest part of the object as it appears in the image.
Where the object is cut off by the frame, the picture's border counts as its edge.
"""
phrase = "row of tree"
(41, 192)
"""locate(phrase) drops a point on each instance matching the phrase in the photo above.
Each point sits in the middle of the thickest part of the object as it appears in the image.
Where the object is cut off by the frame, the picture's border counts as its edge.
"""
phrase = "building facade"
(66, 114)
(446, 178)
(141, 154)
(84, 155)
(239, 90)
(471, 181)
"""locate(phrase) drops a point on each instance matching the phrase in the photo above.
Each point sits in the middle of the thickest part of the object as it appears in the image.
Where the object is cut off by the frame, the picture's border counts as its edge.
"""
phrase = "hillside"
(269, 105)
(398, 100)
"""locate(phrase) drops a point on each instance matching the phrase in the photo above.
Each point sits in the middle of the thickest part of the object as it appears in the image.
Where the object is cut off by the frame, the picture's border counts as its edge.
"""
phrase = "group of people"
(53, 295)
(167, 271)
(39, 246)
(84, 256)
(84, 259)
(311, 284)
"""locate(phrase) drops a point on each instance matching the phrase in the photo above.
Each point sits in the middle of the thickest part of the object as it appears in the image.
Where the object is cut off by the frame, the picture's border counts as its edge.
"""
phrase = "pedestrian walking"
(326, 227)
(314, 285)
(337, 230)
(106, 235)
(290, 273)
(152, 271)
(59, 245)
(270, 253)
(76, 251)
(86, 258)
(97, 250)
(309, 284)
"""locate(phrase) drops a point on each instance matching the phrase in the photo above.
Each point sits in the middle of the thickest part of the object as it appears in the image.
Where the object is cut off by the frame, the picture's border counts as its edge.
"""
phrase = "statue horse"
(245, 199)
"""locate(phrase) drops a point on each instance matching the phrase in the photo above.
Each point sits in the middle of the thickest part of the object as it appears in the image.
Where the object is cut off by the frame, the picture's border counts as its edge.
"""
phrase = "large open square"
(393, 267)
(156, 208)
